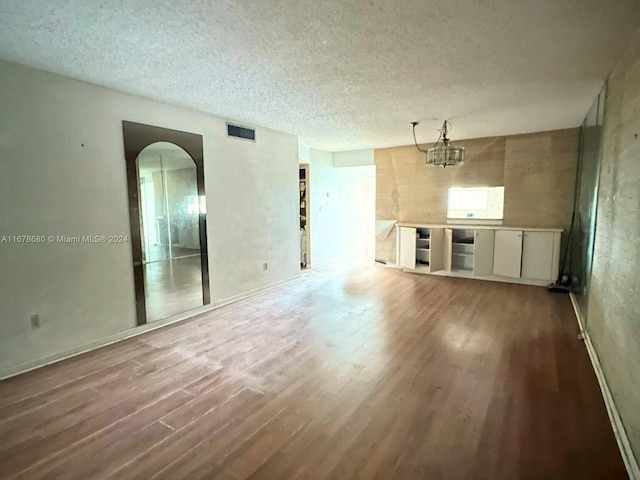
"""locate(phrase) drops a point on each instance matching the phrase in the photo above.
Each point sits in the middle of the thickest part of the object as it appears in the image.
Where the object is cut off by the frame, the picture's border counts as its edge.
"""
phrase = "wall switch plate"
(265, 266)
(35, 321)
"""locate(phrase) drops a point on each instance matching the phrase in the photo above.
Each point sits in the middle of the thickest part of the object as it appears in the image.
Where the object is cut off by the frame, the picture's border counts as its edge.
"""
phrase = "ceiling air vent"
(241, 132)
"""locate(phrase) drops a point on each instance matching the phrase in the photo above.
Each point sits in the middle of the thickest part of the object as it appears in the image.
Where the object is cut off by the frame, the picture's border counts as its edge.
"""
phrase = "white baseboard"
(25, 367)
(390, 265)
(620, 433)
(322, 262)
(251, 293)
(347, 259)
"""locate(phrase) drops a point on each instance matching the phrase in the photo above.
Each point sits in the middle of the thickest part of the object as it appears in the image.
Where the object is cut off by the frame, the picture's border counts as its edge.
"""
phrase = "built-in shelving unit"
(521, 255)
(423, 251)
(423, 242)
(462, 250)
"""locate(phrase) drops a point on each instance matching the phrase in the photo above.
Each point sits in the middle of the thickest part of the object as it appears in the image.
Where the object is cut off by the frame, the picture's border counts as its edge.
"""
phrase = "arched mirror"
(168, 220)
(170, 209)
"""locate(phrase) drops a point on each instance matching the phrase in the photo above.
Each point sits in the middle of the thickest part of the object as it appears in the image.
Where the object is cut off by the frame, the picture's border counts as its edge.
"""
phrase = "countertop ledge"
(468, 226)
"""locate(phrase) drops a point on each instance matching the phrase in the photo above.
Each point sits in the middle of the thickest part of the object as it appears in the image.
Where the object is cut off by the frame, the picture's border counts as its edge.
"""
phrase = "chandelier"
(442, 153)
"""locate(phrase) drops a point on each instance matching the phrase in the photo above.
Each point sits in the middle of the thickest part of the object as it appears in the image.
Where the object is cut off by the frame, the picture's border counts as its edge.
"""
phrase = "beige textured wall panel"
(614, 297)
(539, 178)
(537, 170)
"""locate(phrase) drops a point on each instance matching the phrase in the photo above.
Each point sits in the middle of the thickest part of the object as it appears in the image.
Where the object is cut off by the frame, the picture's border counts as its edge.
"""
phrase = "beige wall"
(614, 298)
(62, 172)
(537, 170)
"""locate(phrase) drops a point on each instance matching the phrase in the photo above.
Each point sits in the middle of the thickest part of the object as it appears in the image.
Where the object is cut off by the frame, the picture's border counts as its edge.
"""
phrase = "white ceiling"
(342, 74)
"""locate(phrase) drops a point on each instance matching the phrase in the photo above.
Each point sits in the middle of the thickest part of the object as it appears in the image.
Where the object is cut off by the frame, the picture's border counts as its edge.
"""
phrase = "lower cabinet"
(421, 249)
(468, 250)
(537, 255)
(507, 254)
(526, 256)
(483, 252)
(407, 247)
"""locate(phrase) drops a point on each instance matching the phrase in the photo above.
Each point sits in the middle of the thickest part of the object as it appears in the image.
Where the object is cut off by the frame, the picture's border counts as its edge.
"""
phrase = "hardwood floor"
(172, 287)
(362, 373)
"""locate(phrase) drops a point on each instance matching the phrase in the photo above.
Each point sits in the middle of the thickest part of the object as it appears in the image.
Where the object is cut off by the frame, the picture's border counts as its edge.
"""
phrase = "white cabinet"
(507, 256)
(538, 255)
(421, 249)
(407, 247)
(436, 252)
(483, 254)
(462, 250)
(520, 255)
(448, 249)
(470, 252)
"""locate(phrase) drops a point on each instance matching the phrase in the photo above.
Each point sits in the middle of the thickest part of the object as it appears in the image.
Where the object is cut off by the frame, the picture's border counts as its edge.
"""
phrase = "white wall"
(353, 158)
(304, 151)
(342, 209)
(62, 172)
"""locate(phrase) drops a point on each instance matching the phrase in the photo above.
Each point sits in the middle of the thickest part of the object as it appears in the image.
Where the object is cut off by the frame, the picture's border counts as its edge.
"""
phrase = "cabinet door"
(507, 256)
(537, 255)
(407, 248)
(436, 250)
(483, 252)
(555, 262)
(447, 250)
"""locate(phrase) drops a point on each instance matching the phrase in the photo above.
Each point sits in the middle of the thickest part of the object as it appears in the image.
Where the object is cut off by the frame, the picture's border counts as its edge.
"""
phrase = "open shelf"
(423, 249)
(462, 261)
(464, 271)
(423, 233)
(462, 236)
(462, 248)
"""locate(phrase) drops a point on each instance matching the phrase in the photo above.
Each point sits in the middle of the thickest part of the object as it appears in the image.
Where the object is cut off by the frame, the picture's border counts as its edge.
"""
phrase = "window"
(196, 205)
(485, 203)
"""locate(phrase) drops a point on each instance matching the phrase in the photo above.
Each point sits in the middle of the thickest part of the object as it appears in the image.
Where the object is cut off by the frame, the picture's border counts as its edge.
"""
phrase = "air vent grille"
(241, 132)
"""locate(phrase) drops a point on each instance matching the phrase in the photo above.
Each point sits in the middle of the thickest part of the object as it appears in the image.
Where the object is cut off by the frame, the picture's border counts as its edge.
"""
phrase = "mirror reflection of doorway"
(305, 216)
(170, 211)
(165, 180)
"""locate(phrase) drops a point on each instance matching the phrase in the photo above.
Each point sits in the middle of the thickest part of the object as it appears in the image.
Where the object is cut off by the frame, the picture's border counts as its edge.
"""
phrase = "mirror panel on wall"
(583, 235)
(170, 230)
(168, 220)
(485, 203)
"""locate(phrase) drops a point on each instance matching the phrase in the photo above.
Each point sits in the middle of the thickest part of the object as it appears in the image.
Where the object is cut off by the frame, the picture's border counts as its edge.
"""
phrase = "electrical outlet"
(265, 266)
(35, 321)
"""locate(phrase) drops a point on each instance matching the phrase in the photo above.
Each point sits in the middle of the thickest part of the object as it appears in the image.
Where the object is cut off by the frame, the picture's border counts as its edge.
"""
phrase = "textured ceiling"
(340, 74)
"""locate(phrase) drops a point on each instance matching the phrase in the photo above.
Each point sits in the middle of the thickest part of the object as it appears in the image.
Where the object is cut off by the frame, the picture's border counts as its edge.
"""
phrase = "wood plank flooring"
(172, 286)
(363, 372)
